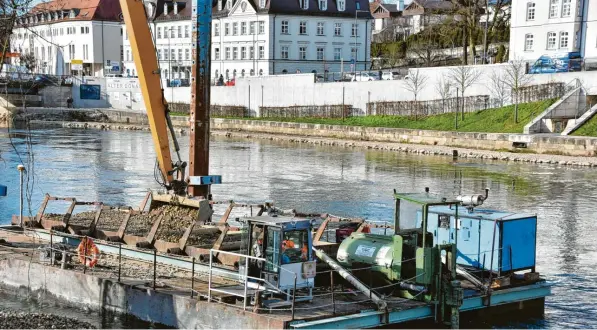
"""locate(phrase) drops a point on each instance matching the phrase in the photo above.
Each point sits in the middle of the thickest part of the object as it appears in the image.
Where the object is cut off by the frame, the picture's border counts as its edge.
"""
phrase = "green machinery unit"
(408, 263)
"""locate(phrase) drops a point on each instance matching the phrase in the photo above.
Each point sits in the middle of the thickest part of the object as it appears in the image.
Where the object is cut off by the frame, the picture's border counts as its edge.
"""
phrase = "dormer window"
(43, 18)
(229, 4)
(262, 4)
(304, 4)
(219, 5)
(49, 16)
(71, 14)
(341, 5)
(175, 8)
(165, 8)
(323, 4)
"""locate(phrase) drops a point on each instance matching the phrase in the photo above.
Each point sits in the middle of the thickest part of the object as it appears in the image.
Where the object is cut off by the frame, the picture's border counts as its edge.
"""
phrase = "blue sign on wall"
(90, 92)
(3, 190)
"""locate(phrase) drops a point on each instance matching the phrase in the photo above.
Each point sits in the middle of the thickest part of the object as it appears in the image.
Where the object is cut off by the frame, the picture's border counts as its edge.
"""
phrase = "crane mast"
(144, 56)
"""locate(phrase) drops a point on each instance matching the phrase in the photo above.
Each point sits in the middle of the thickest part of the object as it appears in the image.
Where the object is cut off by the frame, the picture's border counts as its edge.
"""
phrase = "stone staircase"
(573, 126)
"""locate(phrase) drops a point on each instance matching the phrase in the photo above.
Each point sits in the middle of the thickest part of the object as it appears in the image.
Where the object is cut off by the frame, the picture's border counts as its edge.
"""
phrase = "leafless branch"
(498, 86)
(464, 77)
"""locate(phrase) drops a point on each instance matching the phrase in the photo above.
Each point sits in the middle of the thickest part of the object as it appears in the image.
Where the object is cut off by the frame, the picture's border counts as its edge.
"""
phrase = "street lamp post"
(356, 32)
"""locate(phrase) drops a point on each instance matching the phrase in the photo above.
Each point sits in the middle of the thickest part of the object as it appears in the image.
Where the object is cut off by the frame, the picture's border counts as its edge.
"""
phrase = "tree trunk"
(464, 46)
(516, 109)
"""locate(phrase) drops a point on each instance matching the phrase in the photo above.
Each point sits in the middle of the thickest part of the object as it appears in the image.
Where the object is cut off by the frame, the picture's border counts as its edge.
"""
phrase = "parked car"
(387, 76)
(365, 76)
(44, 79)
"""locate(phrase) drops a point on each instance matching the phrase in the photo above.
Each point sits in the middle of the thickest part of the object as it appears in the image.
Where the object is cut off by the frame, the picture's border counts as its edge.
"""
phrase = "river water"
(118, 168)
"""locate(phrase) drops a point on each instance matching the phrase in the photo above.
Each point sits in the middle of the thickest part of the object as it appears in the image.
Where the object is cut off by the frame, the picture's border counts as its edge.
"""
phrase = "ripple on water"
(118, 168)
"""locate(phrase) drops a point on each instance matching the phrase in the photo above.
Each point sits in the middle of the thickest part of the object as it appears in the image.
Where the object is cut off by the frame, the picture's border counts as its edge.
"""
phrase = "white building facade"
(257, 37)
(550, 27)
(56, 34)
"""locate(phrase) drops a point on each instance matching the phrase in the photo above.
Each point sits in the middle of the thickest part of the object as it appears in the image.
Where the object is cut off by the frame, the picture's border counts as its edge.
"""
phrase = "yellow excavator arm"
(146, 62)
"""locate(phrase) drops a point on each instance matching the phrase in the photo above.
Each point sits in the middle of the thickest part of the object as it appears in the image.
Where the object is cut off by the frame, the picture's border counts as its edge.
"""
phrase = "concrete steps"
(580, 121)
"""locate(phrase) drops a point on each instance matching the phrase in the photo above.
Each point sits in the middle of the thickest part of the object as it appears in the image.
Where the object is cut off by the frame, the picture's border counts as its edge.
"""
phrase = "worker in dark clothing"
(69, 102)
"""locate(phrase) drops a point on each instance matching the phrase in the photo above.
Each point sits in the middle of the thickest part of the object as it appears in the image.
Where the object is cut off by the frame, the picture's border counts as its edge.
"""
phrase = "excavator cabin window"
(295, 246)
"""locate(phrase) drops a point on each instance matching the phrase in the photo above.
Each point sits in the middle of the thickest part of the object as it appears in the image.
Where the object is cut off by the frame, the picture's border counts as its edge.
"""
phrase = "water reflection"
(117, 168)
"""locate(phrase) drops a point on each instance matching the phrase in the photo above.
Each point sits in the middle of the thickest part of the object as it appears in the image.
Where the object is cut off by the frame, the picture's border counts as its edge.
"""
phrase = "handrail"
(246, 276)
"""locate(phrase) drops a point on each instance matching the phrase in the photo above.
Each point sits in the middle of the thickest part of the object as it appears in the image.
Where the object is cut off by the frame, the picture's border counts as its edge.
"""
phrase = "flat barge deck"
(172, 290)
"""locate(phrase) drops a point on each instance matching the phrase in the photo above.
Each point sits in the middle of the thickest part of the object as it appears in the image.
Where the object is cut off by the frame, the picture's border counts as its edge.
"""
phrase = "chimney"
(401, 5)
(175, 8)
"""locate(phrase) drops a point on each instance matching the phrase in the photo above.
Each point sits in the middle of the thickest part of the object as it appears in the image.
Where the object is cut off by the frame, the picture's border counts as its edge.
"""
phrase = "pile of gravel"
(21, 320)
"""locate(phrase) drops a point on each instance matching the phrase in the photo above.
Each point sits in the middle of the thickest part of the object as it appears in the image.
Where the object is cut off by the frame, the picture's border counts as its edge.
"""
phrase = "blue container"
(3, 190)
(514, 243)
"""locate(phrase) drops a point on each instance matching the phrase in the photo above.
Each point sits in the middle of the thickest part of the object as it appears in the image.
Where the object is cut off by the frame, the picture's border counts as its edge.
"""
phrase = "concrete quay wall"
(144, 303)
(573, 146)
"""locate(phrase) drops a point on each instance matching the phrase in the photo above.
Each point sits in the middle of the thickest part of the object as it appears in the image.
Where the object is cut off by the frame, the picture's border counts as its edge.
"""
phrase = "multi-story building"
(550, 27)
(62, 34)
(264, 37)
(389, 24)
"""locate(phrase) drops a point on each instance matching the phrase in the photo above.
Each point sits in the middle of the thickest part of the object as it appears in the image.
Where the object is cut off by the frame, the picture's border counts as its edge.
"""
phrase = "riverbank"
(222, 127)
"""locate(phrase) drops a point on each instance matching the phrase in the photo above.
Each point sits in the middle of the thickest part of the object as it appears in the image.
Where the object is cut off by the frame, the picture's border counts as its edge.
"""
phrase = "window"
(530, 11)
(172, 32)
(566, 8)
(303, 53)
(128, 55)
(234, 28)
(187, 30)
(228, 5)
(320, 28)
(528, 42)
(261, 27)
(187, 54)
(284, 52)
(261, 52)
(252, 28)
(159, 32)
(166, 56)
(43, 53)
(323, 4)
(227, 29)
(303, 28)
(216, 29)
(219, 5)
(173, 54)
(261, 5)
(227, 53)
(180, 54)
(337, 54)
(355, 30)
(243, 53)
(354, 52)
(272, 249)
(338, 29)
(216, 53)
(284, 27)
(243, 28)
(294, 247)
(71, 51)
(85, 52)
(234, 53)
(320, 53)
(304, 4)
(551, 40)
(341, 5)
(251, 52)
(179, 29)
(553, 8)
(159, 54)
(577, 39)
(358, 4)
(563, 39)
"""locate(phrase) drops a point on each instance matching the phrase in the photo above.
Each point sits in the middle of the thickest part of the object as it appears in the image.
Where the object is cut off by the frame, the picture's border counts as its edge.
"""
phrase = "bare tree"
(415, 83)
(515, 78)
(28, 61)
(501, 17)
(463, 77)
(498, 87)
(443, 87)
